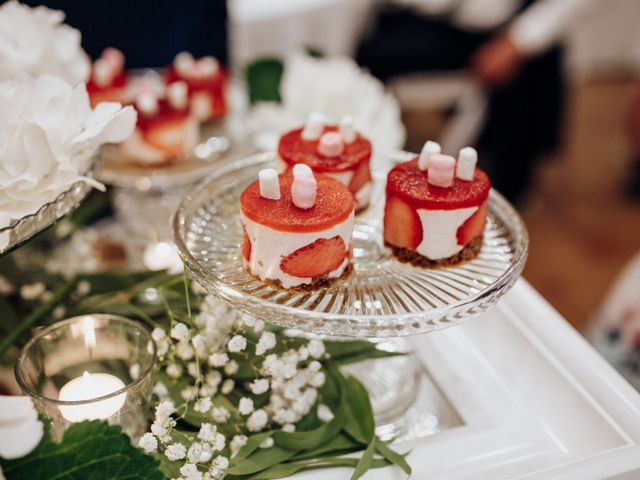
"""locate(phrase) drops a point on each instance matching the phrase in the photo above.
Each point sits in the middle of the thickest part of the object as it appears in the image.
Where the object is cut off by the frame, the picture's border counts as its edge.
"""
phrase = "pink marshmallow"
(441, 170)
(331, 144)
(114, 58)
(303, 191)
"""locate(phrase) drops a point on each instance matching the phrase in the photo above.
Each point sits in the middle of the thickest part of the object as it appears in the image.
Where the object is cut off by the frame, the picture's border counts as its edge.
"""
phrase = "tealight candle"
(87, 387)
(162, 256)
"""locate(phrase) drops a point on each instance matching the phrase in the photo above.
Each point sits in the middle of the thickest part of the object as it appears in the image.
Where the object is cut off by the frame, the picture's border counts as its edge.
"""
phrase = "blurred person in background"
(513, 47)
(634, 135)
(150, 34)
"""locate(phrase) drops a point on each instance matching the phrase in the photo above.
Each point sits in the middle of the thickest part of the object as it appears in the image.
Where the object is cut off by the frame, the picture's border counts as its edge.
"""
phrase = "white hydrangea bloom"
(207, 432)
(245, 407)
(221, 462)
(190, 472)
(148, 443)
(237, 344)
(164, 410)
(257, 421)
(219, 442)
(175, 451)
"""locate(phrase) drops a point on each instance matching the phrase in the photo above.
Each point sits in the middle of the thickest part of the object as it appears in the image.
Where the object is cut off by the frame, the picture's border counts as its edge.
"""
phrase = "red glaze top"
(334, 204)
(213, 85)
(166, 114)
(293, 149)
(119, 81)
(407, 181)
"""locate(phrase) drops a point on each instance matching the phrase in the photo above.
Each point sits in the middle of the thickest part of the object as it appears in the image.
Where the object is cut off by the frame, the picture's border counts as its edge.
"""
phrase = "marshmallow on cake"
(297, 229)
(108, 81)
(436, 208)
(165, 132)
(206, 82)
(338, 151)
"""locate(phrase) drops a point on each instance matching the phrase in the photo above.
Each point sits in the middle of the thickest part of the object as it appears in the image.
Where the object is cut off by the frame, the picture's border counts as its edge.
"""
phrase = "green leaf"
(393, 457)
(251, 446)
(287, 469)
(360, 423)
(263, 79)
(89, 450)
(261, 459)
(339, 444)
(365, 461)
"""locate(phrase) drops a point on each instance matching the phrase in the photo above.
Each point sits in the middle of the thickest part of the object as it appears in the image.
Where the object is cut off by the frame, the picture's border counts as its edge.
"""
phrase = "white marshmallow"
(269, 184)
(441, 170)
(430, 148)
(302, 170)
(467, 159)
(208, 66)
(347, 129)
(103, 73)
(314, 127)
(177, 95)
(184, 63)
(303, 191)
(331, 144)
(147, 103)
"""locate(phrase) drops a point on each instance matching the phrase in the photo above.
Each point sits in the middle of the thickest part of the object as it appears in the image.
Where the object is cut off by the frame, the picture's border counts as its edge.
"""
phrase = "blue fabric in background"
(150, 33)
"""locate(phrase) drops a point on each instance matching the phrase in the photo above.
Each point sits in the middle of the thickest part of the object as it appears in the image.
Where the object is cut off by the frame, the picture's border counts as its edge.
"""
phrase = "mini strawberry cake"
(337, 151)
(206, 82)
(165, 132)
(436, 209)
(108, 81)
(297, 229)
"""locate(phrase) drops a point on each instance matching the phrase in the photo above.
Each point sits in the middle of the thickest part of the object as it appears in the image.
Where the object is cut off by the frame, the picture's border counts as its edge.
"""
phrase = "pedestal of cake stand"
(382, 298)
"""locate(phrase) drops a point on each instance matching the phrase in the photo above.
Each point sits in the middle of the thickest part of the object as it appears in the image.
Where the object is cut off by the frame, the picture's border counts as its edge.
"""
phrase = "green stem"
(37, 314)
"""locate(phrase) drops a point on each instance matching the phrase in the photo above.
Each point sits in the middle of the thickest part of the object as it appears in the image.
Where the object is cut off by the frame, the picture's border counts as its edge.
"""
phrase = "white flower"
(237, 442)
(148, 443)
(316, 348)
(317, 380)
(237, 344)
(220, 414)
(267, 342)
(184, 350)
(304, 353)
(213, 378)
(36, 41)
(218, 359)
(219, 442)
(162, 347)
(180, 331)
(160, 390)
(259, 386)
(189, 393)
(289, 427)
(221, 462)
(324, 413)
(190, 472)
(6, 288)
(174, 370)
(194, 454)
(227, 386)
(200, 346)
(231, 368)
(158, 334)
(272, 365)
(248, 320)
(58, 312)
(207, 432)
(49, 137)
(134, 371)
(267, 443)
(259, 326)
(164, 410)
(203, 405)
(83, 288)
(32, 291)
(257, 421)
(245, 407)
(193, 370)
(175, 451)
(20, 429)
(284, 416)
(315, 366)
(160, 430)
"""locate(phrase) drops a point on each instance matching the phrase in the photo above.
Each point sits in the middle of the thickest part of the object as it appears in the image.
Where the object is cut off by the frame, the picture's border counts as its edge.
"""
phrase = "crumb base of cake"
(317, 283)
(468, 253)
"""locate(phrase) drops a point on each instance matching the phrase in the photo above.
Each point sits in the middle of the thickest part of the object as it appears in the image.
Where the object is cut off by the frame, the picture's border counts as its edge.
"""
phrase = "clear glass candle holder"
(92, 367)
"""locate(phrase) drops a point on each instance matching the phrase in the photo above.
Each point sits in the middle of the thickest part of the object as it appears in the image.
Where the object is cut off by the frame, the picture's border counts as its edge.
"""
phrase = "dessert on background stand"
(382, 299)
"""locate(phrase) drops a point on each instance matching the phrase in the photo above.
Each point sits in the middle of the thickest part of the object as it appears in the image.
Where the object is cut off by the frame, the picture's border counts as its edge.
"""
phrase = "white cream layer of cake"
(269, 246)
(439, 229)
(362, 196)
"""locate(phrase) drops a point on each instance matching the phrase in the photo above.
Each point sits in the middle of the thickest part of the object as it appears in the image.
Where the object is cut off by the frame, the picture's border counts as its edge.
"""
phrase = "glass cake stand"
(30, 225)
(382, 299)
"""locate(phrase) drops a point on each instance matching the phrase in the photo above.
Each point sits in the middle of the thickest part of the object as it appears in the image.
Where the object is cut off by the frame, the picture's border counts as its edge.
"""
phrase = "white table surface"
(536, 402)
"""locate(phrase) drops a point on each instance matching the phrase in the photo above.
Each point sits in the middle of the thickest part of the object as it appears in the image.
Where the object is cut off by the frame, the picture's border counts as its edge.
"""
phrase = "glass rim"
(63, 323)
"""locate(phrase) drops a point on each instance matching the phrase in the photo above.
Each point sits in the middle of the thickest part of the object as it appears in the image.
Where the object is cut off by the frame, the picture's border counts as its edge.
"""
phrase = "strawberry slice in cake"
(436, 208)
(108, 81)
(206, 82)
(338, 151)
(165, 132)
(297, 229)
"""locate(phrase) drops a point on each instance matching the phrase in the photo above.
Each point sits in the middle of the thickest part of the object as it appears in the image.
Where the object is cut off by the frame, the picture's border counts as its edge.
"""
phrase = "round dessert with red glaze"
(351, 166)
(293, 247)
(115, 91)
(206, 93)
(431, 225)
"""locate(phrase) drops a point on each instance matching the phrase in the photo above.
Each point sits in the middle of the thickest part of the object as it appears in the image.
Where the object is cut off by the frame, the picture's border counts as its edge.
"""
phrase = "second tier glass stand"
(382, 300)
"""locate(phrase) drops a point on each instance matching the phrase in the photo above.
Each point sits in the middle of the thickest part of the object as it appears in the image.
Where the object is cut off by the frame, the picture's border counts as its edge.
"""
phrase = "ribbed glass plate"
(382, 298)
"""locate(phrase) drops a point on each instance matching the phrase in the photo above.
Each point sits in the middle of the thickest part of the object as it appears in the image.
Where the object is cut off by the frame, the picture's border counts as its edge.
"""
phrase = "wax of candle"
(86, 387)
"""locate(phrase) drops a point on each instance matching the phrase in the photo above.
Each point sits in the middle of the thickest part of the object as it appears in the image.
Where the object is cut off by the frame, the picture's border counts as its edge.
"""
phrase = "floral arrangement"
(233, 398)
(50, 136)
(35, 41)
